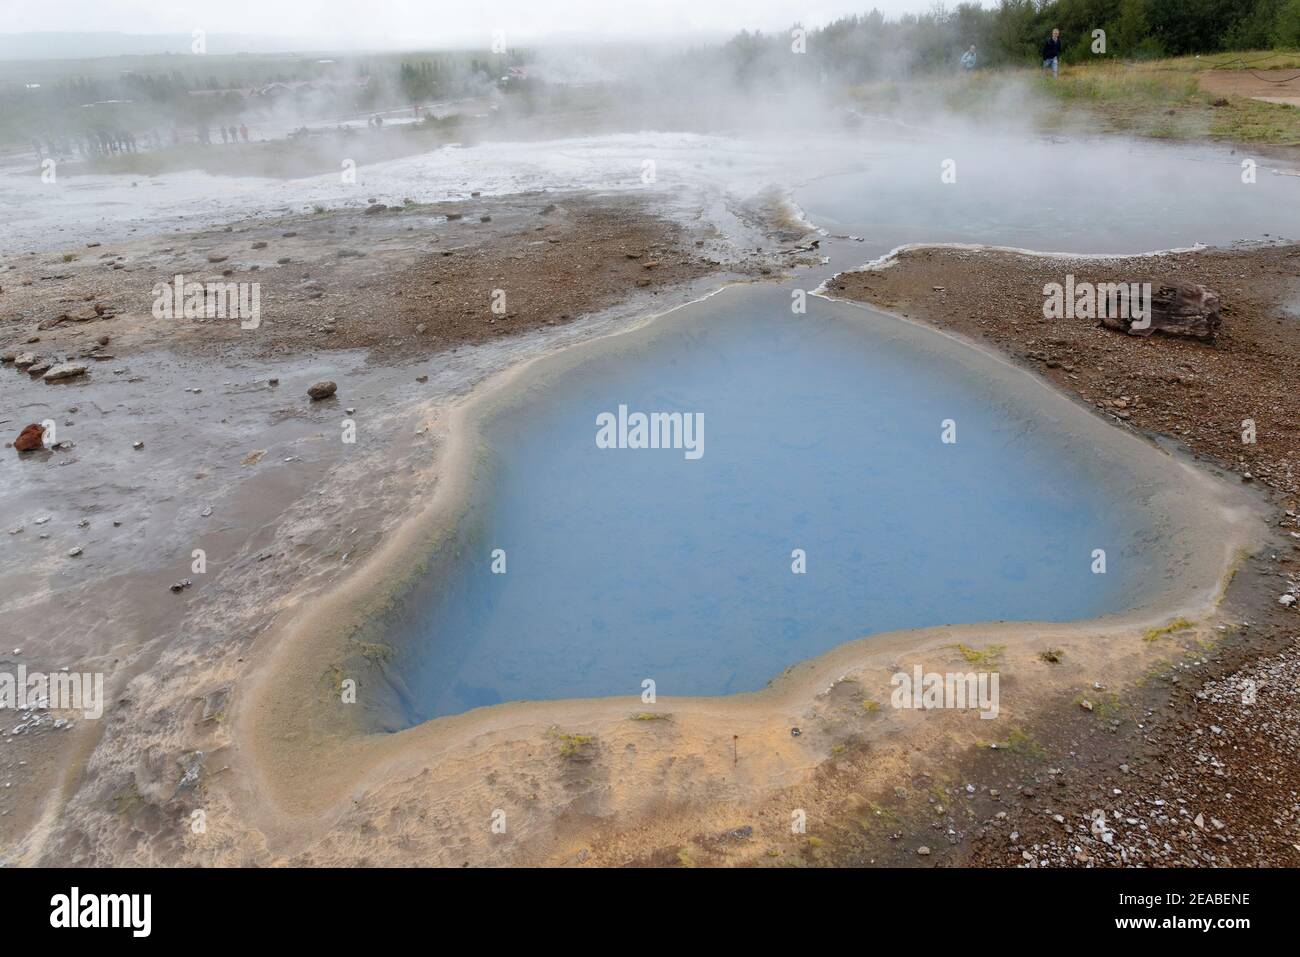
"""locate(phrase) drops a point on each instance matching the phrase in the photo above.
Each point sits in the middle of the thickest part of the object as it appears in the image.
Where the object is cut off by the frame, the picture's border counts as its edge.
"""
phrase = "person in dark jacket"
(1052, 53)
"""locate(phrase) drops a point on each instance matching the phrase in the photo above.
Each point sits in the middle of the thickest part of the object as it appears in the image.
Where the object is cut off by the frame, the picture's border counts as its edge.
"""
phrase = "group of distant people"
(229, 134)
(91, 144)
(1051, 55)
(97, 144)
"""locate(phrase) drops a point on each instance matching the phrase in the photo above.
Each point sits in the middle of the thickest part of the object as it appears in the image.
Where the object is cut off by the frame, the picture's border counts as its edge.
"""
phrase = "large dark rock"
(1177, 309)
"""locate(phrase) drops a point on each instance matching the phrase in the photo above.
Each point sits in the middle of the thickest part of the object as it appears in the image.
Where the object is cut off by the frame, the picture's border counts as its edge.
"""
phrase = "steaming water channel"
(822, 432)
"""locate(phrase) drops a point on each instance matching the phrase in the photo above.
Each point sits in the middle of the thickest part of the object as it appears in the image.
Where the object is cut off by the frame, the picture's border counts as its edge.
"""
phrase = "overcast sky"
(412, 22)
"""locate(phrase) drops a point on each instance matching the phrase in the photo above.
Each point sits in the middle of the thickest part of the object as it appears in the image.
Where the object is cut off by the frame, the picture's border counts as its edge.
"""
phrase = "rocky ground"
(402, 282)
(1202, 774)
(1197, 766)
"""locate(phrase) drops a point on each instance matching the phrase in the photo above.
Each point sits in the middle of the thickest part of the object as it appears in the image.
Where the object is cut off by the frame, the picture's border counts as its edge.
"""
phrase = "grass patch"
(1022, 744)
(127, 801)
(574, 747)
(651, 716)
(332, 679)
(1052, 656)
(1105, 704)
(980, 656)
(1178, 624)
(374, 652)
(1161, 99)
(1154, 673)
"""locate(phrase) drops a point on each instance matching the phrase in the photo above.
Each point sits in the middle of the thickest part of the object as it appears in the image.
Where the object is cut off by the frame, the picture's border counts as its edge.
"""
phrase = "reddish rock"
(30, 438)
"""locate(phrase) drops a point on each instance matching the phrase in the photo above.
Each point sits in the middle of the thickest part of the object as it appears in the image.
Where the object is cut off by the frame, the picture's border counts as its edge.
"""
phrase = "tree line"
(869, 46)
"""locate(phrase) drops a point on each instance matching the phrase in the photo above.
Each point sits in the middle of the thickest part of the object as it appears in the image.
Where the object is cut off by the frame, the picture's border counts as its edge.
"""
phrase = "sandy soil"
(1194, 764)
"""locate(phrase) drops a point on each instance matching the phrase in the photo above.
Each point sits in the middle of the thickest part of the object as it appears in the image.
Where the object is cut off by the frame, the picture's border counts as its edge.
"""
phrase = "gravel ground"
(403, 282)
(1196, 764)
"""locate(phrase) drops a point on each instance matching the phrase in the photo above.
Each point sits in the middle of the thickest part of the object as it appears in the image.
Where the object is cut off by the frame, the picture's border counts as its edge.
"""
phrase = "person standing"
(1052, 53)
(968, 59)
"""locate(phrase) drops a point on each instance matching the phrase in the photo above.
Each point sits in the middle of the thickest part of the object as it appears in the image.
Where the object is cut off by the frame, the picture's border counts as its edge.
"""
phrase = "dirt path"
(1270, 86)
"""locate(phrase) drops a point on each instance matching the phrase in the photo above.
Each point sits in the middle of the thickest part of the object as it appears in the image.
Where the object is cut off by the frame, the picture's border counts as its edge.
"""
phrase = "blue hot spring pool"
(821, 432)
